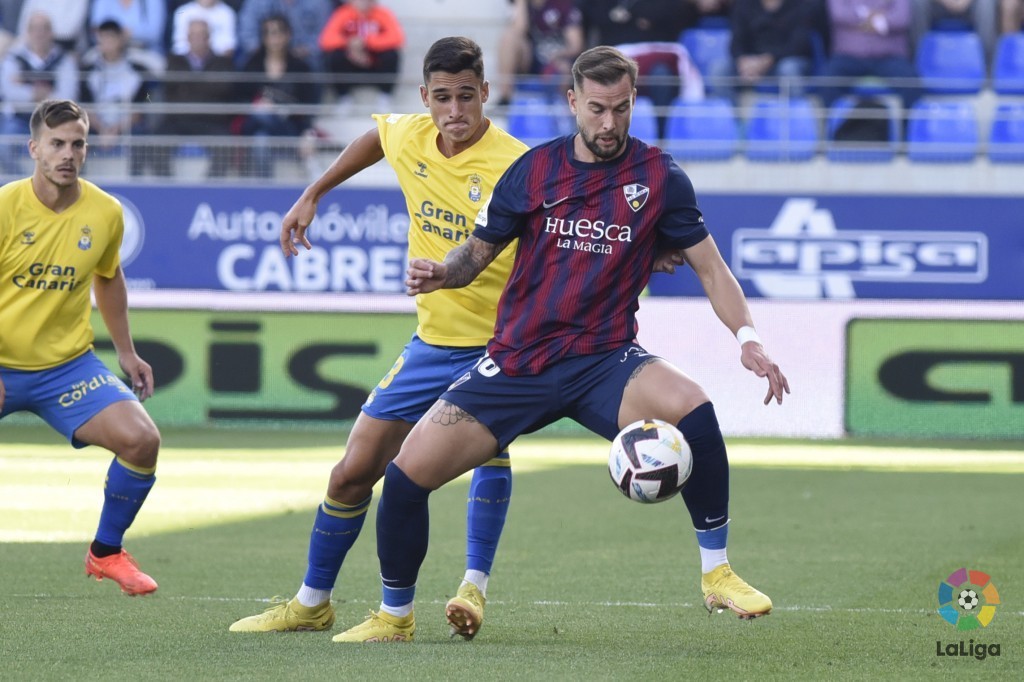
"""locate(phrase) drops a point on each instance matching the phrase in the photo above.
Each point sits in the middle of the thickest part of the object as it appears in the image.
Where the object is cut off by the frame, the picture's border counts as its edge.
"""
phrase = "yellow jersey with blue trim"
(443, 196)
(47, 262)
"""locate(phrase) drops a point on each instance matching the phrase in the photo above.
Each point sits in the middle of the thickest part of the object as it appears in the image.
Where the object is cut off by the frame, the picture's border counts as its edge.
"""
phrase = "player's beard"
(603, 154)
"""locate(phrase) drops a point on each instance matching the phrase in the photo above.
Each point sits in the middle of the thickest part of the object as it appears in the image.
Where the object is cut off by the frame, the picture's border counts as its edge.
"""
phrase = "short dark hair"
(55, 112)
(604, 65)
(452, 55)
(111, 25)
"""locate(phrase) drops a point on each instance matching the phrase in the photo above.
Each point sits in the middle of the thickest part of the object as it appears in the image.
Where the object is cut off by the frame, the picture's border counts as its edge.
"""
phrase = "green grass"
(850, 541)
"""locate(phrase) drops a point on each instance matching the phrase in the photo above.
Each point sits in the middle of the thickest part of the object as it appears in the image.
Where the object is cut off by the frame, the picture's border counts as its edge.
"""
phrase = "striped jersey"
(588, 236)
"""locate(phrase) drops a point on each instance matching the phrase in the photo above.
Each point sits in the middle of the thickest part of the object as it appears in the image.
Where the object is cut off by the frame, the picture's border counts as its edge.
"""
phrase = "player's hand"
(294, 224)
(140, 374)
(754, 358)
(3, 393)
(667, 260)
(424, 276)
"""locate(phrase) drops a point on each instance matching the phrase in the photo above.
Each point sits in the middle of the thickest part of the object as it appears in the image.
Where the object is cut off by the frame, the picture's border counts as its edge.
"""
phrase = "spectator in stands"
(6, 37)
(204, 78)
(68, 19)
(712, 11)
(542, 39)
(114, 83)
(1011, 16)
(870, 38)
(361, 44)
(770, 39)
(221, 19)
(34, 69)
(143, 21)
(306, 17)
(270, 84)
(970, 15)
(648, 32)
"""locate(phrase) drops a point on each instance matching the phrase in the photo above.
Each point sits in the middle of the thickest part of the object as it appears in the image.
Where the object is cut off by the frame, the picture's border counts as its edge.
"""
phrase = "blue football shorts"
(420, 374)
(65, 396)
(586, 388)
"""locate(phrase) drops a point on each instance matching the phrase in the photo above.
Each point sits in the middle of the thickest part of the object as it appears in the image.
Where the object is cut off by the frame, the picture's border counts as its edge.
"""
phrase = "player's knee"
(141, 446)
(353, 478)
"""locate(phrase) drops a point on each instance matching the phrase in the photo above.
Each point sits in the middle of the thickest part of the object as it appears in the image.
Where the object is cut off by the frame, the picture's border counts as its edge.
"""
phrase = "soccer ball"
(650, 461)
(968, 599)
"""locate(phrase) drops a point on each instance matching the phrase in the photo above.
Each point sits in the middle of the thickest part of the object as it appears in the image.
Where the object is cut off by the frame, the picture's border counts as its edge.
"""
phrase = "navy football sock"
(403, 528)
(125, 490)
(707, 491)
(335, 530)
(489, 495)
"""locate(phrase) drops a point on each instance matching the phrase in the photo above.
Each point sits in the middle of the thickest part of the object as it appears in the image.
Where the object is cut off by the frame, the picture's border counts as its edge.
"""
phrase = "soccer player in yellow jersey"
(447, 163)
(59, 239)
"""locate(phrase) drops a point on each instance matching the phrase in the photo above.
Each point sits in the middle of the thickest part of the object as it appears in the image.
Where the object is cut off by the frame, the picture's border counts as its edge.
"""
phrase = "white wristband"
(747, 333)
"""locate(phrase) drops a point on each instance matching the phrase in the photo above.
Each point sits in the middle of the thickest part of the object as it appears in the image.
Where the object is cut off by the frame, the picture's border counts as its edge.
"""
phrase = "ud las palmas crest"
(636, 196)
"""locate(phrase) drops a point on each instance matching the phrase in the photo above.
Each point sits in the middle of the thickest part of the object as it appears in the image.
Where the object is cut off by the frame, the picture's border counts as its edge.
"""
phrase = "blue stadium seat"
(1008, 65)
(645, 122)
(706, 46)
(782, 130)
(858, 121)
(702, 131)
(951, 62)
(1006, 137)
(531, 119)
(942, 131)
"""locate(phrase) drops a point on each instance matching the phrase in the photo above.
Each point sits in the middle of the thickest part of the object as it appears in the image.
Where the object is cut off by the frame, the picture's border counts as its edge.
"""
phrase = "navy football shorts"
(586, 388)
(420, 374)
(65, 396)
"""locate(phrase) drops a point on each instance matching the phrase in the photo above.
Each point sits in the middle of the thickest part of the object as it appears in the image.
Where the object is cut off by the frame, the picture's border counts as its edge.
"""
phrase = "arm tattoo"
(448, 414)
(469, 260)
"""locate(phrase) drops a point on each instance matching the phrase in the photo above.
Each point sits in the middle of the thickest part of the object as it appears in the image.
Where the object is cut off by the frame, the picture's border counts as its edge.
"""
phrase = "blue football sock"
(707, 491)
(125, 490)
(334, 532)
(403, 528)
(489, 495)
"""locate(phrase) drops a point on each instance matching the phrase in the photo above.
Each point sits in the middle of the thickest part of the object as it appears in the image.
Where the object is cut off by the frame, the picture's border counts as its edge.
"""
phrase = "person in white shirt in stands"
(222, 20)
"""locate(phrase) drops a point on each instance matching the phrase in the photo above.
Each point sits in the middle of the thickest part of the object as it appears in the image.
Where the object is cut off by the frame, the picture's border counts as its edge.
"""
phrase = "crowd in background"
(278, 56)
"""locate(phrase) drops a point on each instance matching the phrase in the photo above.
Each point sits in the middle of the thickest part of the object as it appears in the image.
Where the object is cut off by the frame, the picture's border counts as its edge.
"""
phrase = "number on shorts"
(390, 376)
(487, 367)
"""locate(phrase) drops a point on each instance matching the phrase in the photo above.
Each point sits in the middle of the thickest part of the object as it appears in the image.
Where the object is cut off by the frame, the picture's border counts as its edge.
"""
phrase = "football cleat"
(465, 611)
(122, 569)
(723, 589)
(380, 627)
(288, 616)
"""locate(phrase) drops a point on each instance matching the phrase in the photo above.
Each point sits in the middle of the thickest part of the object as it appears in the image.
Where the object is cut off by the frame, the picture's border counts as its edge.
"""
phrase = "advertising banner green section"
(949, 378)
(271, 367)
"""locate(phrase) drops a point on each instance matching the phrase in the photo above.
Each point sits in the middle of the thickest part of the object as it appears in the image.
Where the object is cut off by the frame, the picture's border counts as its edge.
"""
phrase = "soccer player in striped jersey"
(447, 163)
(591, 213)
(60, 237)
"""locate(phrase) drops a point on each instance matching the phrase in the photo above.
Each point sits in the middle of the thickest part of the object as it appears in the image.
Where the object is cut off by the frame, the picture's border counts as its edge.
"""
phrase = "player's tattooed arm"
(448, 414)
(460, 267)
(469, 260)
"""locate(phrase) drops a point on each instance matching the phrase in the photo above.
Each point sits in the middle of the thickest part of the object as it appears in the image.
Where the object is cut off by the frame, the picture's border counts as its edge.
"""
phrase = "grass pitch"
(850, 541)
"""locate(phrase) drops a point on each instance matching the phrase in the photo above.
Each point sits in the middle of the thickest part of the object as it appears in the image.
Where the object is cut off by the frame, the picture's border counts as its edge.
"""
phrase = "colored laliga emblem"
(967, 599)
(636, 196)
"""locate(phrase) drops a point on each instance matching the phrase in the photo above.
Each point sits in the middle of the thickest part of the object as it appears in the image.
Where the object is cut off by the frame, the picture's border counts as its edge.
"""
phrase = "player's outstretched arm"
(112, 300)
(461, 266)
(364, 151)
(730, 305)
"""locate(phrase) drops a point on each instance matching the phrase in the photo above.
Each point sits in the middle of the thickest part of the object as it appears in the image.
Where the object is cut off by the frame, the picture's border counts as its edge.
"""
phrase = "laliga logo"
(967, 600)
(134, 232)
(960, 599)
(803, 255)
